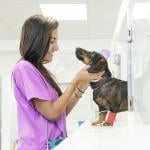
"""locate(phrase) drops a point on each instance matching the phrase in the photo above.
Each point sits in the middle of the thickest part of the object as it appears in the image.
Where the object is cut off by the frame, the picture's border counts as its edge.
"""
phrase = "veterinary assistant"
(41, 106)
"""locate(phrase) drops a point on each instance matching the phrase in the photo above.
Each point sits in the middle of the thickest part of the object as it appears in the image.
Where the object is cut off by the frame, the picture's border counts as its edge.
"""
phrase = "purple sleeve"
(32, 83)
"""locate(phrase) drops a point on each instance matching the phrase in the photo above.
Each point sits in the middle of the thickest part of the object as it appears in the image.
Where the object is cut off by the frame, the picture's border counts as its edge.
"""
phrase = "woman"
(41, 106)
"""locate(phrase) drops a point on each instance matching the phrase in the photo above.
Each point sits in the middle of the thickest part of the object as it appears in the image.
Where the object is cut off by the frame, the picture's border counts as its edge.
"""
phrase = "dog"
(110, 94)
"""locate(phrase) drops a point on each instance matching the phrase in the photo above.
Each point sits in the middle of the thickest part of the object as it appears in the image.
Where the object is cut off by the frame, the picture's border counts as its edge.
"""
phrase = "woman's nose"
(56, 47)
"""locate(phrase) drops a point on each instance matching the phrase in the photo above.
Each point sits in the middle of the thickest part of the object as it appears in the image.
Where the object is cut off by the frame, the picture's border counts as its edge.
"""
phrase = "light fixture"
(141, 10)
(65, 11)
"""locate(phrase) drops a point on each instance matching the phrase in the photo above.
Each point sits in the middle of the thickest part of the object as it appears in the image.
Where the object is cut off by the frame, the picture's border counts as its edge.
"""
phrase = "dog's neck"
(100, 83)
(107, 72)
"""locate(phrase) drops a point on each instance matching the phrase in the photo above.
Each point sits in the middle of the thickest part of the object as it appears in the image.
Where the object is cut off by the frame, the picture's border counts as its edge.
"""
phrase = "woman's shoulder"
(24, 65)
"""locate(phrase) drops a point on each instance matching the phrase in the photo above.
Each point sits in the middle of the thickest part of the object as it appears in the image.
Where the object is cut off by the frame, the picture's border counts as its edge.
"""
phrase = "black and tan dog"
(110, 94)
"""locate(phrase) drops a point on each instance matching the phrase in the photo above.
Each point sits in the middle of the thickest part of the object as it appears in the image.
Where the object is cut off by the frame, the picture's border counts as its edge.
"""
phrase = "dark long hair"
(34, 43)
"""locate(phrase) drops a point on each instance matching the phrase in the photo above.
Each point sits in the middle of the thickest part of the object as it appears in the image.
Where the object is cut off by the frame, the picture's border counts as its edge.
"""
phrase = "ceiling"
(102, 18)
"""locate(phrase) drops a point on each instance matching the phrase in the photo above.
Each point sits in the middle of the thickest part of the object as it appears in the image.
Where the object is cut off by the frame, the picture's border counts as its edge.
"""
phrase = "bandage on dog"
(111, 118)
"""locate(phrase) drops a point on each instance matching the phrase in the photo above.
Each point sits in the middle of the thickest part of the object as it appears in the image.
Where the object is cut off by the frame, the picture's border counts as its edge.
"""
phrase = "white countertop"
(122, 136)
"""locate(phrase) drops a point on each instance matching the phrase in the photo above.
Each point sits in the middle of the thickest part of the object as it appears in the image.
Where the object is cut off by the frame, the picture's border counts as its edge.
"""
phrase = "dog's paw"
(94, 123)
(107, 124)
(97, 123)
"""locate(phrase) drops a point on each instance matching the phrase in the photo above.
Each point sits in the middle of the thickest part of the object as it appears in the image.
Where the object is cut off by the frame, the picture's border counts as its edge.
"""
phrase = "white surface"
(122, 136)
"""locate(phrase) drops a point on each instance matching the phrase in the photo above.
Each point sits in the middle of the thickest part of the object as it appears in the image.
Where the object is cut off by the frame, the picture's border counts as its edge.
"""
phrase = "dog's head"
(96, 61)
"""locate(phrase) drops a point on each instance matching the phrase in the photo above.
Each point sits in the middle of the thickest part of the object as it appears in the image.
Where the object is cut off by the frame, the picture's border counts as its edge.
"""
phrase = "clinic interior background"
(128, 61)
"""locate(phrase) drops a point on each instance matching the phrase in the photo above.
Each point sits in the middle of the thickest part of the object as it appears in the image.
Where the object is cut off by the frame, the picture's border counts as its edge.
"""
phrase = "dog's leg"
(101, 118)
(110, 119)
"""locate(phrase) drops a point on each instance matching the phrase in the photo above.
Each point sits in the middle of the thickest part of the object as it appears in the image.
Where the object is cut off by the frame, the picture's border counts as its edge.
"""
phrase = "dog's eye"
(102, 60)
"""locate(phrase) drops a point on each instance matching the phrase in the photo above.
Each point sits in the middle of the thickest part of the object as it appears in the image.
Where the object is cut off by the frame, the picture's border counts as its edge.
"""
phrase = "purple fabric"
(33, 129)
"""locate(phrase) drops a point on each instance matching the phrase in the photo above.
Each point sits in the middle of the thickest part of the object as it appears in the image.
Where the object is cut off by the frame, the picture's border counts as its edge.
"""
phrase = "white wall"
(118, 60)
(8, 115)
(141, 76)
(7, 62)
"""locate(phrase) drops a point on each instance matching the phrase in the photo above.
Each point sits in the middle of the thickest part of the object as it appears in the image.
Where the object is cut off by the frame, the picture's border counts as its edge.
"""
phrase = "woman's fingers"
(85, 77)
(95, 80)
(98, 76)
(85, 68)
(101, 73)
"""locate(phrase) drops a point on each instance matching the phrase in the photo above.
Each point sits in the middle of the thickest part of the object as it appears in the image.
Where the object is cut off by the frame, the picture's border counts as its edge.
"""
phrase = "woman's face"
(53, 46)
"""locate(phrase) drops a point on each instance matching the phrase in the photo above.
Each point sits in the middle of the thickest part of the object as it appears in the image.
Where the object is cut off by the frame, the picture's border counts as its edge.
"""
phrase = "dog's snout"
(79, 52)
(78, 48)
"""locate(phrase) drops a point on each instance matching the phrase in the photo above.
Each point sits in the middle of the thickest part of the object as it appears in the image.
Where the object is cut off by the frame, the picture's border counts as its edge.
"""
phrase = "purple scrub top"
(33, 129)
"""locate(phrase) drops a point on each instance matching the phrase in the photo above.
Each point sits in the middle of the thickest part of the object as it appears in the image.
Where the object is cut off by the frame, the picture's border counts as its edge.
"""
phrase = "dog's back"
(110, 94)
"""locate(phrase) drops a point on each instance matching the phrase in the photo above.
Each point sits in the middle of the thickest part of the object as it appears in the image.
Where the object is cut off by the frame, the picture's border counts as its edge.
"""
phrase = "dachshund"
(110, 94)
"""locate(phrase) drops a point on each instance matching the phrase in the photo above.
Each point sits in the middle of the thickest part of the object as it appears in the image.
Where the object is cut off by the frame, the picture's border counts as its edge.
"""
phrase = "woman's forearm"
(61, 104)
(75, 98)
(73, 101)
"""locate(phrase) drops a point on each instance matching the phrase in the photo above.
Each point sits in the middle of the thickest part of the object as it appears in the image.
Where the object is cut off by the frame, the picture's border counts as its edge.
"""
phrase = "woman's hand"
(84, 78)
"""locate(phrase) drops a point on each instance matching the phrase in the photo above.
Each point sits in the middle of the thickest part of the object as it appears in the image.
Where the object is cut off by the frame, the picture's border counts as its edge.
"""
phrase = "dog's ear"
(107, 72)
(95, 68)
(98, 68)
(98, 63)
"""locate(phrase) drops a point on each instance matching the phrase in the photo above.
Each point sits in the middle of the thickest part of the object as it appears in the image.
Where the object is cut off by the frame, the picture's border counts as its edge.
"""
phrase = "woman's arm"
(75, 97)
(78, 94)
(52, 110)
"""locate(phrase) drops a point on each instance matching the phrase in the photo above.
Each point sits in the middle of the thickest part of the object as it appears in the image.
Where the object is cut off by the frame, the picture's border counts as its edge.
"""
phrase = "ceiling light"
(141, 10)
(65, 11)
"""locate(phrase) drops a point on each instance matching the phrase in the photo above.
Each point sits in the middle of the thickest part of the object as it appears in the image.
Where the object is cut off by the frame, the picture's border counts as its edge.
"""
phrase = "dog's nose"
(78, 48)
(78, 51)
